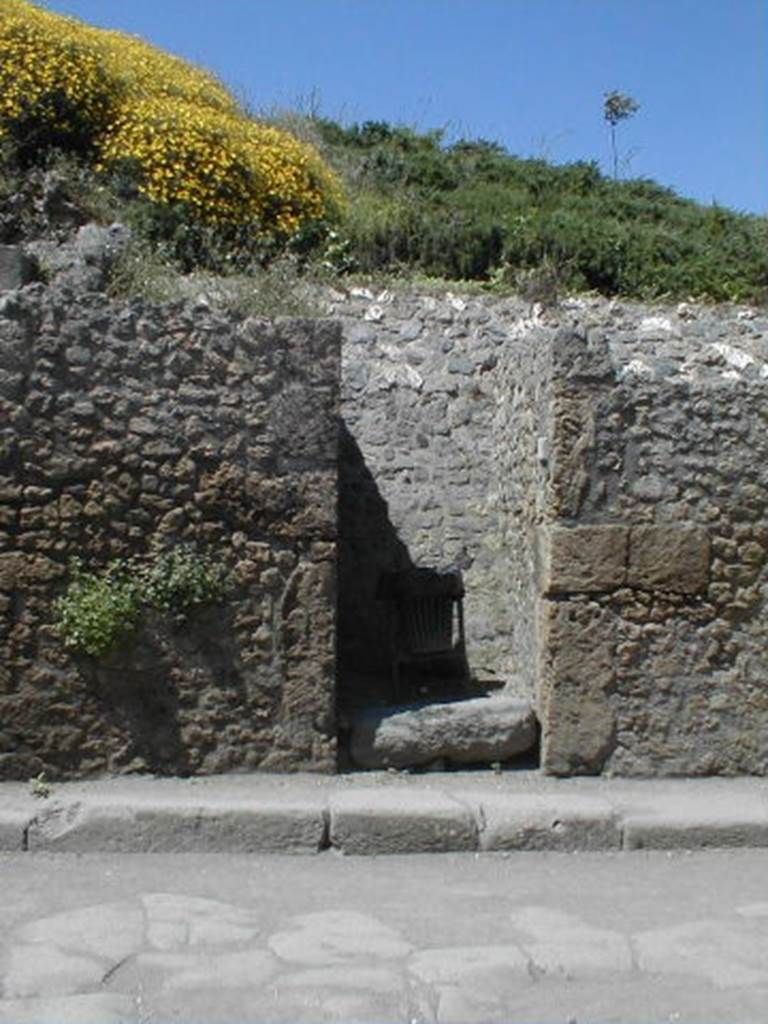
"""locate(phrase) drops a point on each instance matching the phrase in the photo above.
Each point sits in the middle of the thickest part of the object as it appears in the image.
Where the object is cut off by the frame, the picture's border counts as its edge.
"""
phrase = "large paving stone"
(337, 937)
(400, 821)
(246, 968)
(474, 731)
(456, 965)
(43, 970)
(106, 930)
(175, 921)
(556, 941)
(714, 950)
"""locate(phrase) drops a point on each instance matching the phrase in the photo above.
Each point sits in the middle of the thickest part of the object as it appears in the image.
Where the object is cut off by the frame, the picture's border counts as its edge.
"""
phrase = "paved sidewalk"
(383, 813)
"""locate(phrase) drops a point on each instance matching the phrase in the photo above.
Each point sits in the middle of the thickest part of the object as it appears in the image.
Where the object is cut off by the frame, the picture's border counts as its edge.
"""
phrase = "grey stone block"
(13, 823)
(577, 677)
(16, 268)
(370, 821)
(670, 831)
(566, 822)
(473, 731)
(277, 826)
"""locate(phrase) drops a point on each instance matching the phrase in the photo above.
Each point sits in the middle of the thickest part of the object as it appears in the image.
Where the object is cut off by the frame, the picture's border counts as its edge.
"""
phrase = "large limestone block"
(576, 680)
(481, 729)
(669, 557)
(582, 559)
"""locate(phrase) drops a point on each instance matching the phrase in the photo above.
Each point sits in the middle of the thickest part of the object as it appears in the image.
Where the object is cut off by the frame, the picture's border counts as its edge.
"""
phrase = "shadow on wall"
(368, 546)
(372, 560)
(141, 697)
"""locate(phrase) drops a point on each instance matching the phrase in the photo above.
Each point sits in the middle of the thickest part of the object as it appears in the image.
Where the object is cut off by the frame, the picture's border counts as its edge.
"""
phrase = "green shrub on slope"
(471, 210)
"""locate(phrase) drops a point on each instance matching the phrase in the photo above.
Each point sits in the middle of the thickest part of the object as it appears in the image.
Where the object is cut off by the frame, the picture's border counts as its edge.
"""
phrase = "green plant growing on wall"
(99, 611)
(179, 581)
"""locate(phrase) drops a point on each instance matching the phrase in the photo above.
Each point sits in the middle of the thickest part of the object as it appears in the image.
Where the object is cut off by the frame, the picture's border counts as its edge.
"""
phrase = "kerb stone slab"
(548, 822)
(279, 826)
(400, 821)
(745, 826)
(13, 824)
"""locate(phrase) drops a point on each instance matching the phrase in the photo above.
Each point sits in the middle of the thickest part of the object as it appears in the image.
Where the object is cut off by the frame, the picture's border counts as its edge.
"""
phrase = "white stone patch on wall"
(635, 368)
(656, 325)
(735, 357)
(397, 375)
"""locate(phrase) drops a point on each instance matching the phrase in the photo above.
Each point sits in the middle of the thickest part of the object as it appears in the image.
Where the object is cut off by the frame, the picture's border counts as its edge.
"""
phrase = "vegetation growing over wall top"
(471, 210)
(204, 185)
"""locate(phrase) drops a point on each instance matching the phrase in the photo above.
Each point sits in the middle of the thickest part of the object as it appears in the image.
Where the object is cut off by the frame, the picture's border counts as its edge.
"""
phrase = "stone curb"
(401, 821)
(179, 827)
(389, 817)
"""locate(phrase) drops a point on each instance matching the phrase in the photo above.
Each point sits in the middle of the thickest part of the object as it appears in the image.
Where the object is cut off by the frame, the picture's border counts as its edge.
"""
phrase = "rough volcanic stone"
(16, 268)
(172, 438)
(482, 729)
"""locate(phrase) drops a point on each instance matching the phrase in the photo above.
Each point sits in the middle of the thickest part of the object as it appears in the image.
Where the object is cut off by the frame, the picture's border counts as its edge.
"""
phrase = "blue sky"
(530, 74)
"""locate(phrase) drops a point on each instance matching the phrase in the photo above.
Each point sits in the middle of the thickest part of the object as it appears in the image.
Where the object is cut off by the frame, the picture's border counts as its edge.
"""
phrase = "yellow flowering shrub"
(49, 77)
(226, 168)
(179, 129)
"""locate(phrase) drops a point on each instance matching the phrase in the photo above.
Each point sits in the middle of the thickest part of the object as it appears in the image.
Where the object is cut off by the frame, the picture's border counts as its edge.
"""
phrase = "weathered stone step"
(478, 730)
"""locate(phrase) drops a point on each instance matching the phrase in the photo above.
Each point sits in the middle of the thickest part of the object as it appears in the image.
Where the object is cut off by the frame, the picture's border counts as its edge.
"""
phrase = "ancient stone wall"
(653, 634)
(124, 427)
(598, 471)
(521, 446)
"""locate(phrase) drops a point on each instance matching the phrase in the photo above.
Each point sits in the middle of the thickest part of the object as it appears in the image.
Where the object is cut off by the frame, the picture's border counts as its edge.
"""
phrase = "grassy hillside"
(157, 142)
(471, 210)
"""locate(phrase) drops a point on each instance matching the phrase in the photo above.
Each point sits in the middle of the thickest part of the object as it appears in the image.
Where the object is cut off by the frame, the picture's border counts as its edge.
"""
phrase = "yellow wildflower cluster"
(46, 71)
(226, 168)
(177, 125)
